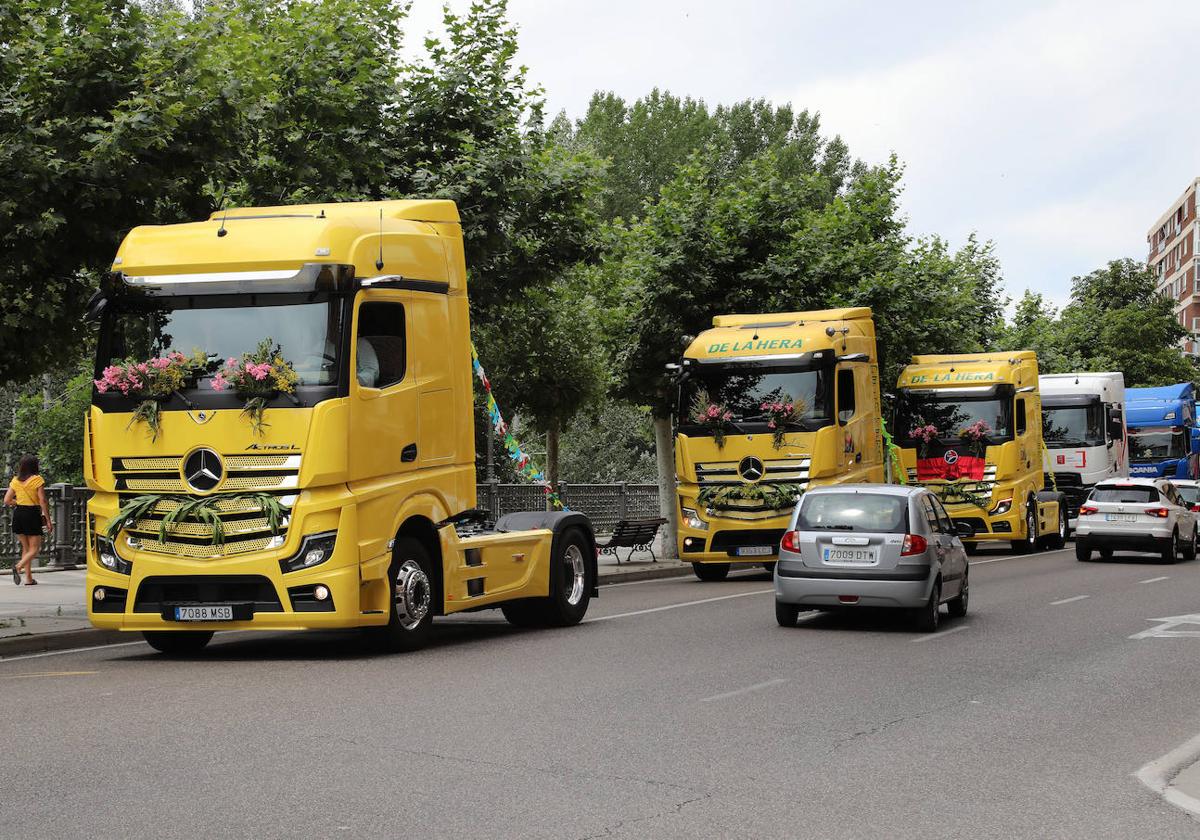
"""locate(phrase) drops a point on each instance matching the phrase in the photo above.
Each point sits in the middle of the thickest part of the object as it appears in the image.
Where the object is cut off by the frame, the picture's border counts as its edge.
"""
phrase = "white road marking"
(1155, 580)
(1016, 557)
(1166, 629)
(677, 606)
(739, 692)
(1157, 775)
(933, 636)
(64, 652)
(1069, 600)
(733, 575)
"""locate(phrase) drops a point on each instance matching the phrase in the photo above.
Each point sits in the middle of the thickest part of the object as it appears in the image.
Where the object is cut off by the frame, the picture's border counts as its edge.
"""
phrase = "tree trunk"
(552, 461)
(668, 504)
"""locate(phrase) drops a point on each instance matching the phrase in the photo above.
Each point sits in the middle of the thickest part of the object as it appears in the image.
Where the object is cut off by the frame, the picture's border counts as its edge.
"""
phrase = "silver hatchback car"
(872, 545)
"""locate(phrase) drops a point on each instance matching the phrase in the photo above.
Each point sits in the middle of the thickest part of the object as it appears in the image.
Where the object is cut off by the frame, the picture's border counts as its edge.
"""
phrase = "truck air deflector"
(311, 277)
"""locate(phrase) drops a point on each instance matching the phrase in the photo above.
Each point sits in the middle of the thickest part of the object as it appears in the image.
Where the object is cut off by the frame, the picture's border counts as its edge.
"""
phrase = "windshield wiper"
(828, 528)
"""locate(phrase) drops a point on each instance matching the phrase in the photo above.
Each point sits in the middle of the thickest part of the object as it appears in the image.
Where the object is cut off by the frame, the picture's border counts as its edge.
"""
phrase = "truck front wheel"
(1029, 541)
(411, 605)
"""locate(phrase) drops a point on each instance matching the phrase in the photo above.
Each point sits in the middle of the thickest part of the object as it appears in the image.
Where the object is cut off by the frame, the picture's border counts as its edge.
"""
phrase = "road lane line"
(739, 692)
(734, 575)
(4, 661)
(46, 674)
(1155, 580)
(1157, 775)
(933, 636)
(1069, 600)
(677, 606)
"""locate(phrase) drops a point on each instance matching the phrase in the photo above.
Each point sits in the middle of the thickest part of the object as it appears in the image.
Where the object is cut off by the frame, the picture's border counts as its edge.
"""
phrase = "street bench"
(634, 534)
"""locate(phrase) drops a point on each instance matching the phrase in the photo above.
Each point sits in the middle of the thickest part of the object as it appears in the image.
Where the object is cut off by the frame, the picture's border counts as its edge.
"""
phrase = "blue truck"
(1164, 440)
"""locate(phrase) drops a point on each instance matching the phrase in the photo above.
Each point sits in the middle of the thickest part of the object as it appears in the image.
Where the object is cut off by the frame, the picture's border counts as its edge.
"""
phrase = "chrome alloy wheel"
(412, 594)
(574, 566)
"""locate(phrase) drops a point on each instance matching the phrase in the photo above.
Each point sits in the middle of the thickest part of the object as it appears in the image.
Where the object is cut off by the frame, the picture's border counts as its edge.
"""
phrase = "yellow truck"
(770, 405)
(970, 429)
(281, 436)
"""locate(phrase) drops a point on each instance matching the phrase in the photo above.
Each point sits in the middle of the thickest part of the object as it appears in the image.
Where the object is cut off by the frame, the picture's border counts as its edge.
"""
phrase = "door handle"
(409, 453)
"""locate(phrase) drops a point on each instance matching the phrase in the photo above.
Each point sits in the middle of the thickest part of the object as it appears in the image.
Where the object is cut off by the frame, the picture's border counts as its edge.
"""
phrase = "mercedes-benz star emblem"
(950, 457)
(203, 470)
(751, 468)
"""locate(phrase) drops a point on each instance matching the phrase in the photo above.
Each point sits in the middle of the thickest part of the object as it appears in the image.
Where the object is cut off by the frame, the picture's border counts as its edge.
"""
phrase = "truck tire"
(1028, 544)
(1058, 539)
(571, 583)
(711, 571)
(177, 642)
(410, 609)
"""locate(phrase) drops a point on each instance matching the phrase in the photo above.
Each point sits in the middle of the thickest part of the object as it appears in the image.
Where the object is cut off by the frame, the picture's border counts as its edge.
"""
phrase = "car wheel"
(1189, 552)
(1059, 538)
(711, 571)
(1029, 543)
(1170, 552)
(410, 609)
(786, 614)
(926, 618)
(177, 642)
(958, 605)
(1083, 552)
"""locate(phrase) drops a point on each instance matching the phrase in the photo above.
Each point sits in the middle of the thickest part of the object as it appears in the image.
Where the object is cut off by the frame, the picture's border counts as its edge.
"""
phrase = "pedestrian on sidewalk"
(27, 494)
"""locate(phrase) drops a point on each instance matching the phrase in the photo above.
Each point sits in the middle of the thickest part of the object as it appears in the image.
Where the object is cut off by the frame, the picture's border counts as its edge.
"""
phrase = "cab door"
(383, 393)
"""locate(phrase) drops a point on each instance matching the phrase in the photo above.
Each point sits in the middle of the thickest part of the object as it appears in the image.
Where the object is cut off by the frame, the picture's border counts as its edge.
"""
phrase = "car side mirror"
(964, 529)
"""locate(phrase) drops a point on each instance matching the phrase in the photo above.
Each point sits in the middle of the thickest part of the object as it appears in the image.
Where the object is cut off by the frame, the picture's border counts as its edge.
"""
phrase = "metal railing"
(605, 505)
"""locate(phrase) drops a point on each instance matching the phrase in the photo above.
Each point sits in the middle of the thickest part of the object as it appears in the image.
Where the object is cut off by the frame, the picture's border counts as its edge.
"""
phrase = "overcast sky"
(1059, 129)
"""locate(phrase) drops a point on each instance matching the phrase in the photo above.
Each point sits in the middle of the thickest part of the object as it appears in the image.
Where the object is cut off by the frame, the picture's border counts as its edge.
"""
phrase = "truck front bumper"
(733, 540)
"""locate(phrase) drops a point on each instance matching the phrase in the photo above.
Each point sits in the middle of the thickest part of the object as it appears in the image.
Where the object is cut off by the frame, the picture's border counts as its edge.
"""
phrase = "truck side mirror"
(95, 306)
(1196, 441)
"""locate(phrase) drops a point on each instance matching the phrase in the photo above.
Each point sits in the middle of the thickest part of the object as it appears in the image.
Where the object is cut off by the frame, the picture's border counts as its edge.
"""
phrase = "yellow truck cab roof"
(406, 236)
(744, 337)
(1018, 368)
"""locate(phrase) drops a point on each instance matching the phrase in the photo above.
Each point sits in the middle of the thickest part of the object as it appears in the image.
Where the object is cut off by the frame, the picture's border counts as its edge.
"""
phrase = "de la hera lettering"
(764, 344)
(952, 377)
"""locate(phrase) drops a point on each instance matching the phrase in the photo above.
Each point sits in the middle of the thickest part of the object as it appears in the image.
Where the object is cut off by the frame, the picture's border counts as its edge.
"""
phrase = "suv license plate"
(1120, 517)
(755, 550)
(858, 556)
(204, 613)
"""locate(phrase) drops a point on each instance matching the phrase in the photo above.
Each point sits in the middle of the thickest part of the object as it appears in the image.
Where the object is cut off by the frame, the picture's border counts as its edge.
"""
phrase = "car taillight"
(913, 544)
(1196, 507)
(1088, 510)
(1161, 513)
(791, 542)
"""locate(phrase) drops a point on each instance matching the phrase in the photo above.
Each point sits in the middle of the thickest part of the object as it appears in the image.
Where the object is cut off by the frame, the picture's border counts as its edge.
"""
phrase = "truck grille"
(777, 471)
(246, 527)
(982, 488)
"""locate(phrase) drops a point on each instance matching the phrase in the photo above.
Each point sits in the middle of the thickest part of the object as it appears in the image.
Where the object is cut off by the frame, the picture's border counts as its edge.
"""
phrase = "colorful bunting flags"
(520, 458)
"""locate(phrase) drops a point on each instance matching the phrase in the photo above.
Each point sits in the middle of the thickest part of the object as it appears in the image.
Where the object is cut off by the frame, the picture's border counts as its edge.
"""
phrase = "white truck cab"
(1083, 425)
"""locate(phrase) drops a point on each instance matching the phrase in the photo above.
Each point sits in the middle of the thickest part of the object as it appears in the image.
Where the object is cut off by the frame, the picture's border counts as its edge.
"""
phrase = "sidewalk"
(52, 616)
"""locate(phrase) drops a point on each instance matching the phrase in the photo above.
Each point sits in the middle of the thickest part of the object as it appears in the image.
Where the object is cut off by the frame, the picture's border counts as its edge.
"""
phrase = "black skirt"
(27, 520)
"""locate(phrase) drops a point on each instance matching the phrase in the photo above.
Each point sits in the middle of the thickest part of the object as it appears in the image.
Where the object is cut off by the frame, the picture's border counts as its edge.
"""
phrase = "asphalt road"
(678, 709)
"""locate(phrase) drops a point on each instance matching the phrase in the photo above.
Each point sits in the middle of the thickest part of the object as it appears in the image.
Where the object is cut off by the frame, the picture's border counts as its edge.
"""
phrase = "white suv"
(1136, 514)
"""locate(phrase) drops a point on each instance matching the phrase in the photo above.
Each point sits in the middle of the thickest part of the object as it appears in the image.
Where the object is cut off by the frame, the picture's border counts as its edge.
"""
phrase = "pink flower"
(142, 367)
(160, 364)
(101, 385)
(259, 372)
(176, 356)
(219, 383)
(771, 424)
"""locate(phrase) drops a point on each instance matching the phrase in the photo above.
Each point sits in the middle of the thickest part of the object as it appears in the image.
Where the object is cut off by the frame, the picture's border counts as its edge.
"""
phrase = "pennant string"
(520, 458)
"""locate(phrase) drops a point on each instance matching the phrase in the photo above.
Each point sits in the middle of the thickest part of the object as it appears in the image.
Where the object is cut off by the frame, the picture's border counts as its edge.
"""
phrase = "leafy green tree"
(610, 441)
(53, 429)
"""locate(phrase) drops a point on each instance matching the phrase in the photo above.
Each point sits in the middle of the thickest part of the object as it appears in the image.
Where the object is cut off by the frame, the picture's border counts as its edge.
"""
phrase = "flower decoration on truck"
(257, 377)
(154, 381)
(976, 436)
(712, 416)
(758, 497)
(924, 435)
(779, 416)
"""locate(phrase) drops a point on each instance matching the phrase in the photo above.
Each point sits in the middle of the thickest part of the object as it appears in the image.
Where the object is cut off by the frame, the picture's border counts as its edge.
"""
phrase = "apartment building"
(1174, 244)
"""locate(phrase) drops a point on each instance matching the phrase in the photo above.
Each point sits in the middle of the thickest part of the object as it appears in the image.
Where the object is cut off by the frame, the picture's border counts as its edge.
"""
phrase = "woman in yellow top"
(27, 493)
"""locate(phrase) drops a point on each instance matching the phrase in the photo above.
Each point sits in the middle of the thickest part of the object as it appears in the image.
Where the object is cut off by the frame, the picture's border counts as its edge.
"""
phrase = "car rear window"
(1134, 494)
(854, 512)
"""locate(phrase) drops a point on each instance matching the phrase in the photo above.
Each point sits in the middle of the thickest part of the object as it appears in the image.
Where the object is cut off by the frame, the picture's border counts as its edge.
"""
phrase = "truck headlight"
(1002, 507)
(315, 550)
(107, 557)
(693, 520)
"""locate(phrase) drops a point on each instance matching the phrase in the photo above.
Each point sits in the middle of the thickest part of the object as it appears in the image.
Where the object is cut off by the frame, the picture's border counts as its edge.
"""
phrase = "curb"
(659, 573)
(59, 640)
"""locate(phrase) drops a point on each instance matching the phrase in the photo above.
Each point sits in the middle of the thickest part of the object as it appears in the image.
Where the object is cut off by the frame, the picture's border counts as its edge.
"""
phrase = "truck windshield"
(1073, 425)
(742, 390)
(307, 327)
(1157, 444)
(950, 415)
